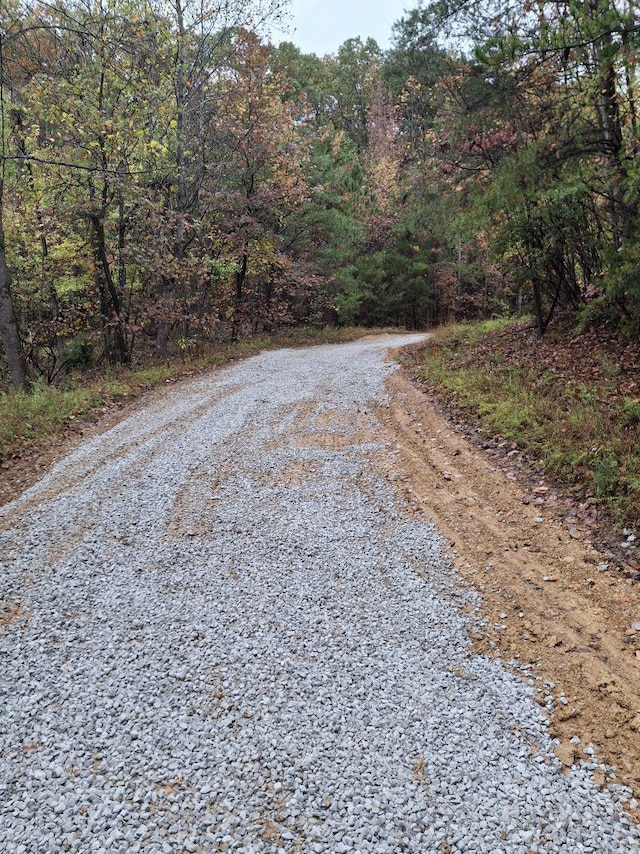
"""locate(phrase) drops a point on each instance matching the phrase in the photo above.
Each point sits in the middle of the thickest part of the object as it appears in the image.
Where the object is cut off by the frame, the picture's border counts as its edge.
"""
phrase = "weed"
(630, 412)
(610, 369)
(25, 417)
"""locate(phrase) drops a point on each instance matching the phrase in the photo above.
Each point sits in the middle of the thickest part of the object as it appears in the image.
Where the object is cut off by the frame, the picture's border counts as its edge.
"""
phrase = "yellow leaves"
(156, 148)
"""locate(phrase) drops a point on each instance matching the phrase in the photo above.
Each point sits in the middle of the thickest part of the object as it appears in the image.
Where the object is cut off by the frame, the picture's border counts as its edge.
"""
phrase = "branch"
(102, 170)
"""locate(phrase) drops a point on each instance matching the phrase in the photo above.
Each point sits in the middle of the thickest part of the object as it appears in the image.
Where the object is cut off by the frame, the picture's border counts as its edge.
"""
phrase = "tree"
(261, 155)
(11, 342)
(536, 134)
(108, 110)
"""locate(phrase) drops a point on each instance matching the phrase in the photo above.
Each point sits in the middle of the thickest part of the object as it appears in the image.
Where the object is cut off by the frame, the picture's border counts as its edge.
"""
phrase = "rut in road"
(223, 631)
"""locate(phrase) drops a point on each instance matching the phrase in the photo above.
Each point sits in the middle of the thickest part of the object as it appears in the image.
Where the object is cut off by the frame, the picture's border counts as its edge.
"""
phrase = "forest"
(170, 177)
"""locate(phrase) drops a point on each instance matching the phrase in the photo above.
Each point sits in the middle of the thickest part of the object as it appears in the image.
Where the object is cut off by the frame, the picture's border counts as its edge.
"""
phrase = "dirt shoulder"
(550, 599)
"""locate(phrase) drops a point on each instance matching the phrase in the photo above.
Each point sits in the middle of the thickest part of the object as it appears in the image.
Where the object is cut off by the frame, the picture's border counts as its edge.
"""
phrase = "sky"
(321, 26)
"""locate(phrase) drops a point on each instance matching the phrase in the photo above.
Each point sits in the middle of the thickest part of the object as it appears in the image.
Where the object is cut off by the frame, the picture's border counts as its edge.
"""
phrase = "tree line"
(168, 176)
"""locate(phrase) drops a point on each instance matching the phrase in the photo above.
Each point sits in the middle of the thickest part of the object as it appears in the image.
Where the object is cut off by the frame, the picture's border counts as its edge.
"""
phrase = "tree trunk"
(608, 108)
(11, 342)
(163, 294)
(241, 274)
(116, 348)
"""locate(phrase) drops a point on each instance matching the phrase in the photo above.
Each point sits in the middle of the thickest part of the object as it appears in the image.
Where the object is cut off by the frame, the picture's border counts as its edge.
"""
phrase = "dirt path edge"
(548, 603)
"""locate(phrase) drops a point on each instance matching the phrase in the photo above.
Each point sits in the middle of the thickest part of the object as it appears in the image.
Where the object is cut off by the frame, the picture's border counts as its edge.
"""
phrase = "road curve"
(222, 630)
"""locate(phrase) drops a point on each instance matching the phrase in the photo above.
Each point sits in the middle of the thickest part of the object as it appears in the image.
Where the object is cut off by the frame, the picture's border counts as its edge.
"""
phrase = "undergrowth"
(571, 402)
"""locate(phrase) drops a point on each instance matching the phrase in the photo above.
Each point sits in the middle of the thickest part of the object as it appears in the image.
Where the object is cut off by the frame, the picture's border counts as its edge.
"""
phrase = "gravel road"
(223, 631)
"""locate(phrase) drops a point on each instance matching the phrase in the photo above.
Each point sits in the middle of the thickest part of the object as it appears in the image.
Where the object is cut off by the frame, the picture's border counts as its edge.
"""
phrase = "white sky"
(321, 26)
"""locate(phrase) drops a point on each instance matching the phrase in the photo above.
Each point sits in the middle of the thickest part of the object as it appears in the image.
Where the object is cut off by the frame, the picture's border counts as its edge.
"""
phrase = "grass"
(569, 402)
(28, 418)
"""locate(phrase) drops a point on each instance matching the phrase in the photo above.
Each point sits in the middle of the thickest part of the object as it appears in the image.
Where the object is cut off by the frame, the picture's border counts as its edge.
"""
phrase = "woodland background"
(169, 178)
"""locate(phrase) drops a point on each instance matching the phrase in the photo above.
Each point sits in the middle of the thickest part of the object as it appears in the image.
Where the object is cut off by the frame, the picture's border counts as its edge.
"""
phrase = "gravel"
(229, 635)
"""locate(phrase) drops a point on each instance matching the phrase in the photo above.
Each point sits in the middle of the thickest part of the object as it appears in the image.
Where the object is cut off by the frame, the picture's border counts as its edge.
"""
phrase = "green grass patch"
(27, 417)
(563, 400)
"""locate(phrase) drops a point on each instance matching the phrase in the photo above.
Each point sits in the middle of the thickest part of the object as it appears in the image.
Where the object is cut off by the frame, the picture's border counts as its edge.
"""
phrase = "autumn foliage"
(170, 178)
